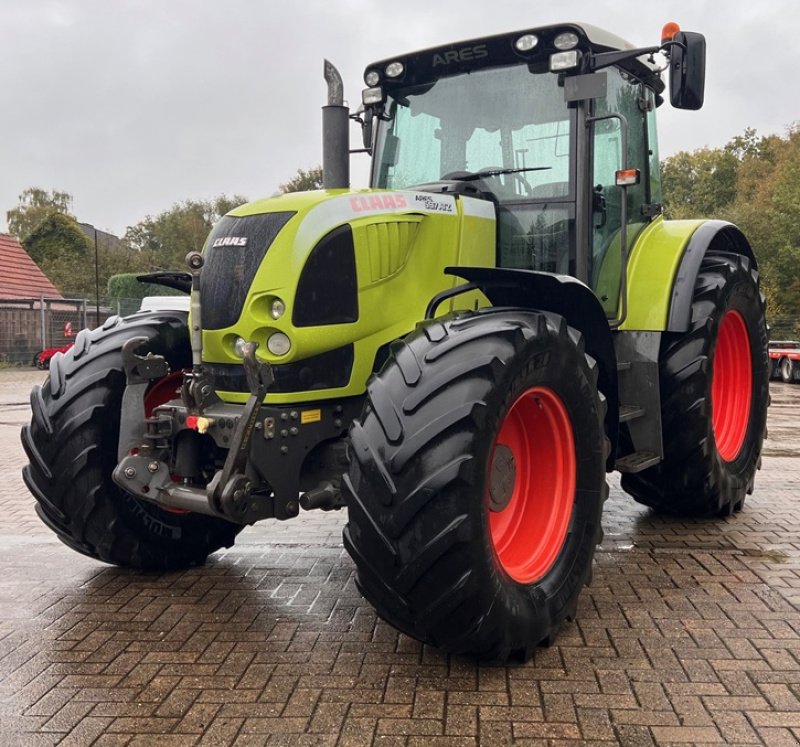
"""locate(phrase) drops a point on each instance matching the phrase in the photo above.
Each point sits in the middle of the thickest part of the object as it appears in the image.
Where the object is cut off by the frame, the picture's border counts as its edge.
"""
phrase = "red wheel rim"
(731, 385)
(532, 484)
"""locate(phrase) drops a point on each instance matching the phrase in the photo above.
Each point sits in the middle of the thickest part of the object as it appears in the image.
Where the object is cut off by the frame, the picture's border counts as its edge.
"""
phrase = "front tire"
(72, 447)
(477, 480)
(714, 395)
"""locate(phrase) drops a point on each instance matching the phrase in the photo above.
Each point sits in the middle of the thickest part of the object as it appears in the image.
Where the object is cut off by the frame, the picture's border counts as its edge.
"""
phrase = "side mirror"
(687, 76)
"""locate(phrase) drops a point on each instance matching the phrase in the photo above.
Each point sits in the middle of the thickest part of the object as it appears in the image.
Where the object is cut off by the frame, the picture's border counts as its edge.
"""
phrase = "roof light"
(394, 69)
(563, 60)
(526, 43)
(371, 96)
(627, 177)
(668, 32)
(372, 78)
(566, 40)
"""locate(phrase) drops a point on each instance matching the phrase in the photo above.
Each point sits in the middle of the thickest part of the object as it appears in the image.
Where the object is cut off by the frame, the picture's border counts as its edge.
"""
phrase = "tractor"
(458, 355)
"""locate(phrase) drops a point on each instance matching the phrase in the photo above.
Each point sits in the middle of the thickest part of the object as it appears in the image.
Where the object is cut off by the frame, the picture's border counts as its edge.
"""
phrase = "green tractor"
(457, 355)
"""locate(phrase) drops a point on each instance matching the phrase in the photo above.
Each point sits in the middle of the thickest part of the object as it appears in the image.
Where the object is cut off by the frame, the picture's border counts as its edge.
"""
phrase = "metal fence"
(30, 325)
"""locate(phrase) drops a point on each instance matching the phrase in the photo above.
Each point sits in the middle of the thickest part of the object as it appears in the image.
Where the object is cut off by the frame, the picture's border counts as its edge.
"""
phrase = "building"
(20, 276)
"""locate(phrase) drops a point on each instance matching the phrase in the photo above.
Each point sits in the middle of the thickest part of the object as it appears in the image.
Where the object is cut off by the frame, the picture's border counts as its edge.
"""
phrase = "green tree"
(304, 180)
(169, 236)
(62, 251)
(699, 184)
(35, 205)
(755, 183)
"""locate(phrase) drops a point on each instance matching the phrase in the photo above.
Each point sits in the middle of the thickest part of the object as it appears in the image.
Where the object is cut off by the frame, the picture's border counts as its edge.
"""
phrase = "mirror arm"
(606, 59)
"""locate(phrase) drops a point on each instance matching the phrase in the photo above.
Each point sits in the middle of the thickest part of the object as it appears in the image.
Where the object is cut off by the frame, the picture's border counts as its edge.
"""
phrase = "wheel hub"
(502, 478)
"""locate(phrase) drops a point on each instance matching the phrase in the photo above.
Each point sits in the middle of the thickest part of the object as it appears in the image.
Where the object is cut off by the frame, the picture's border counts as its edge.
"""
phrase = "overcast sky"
(133, 105)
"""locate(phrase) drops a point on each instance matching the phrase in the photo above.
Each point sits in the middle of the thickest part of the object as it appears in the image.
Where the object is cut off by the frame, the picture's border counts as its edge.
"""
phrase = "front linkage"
(242, 463)
(263, 450)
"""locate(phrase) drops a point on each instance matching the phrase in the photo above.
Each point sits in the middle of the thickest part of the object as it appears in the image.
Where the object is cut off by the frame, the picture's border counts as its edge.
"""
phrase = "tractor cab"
(556, 126)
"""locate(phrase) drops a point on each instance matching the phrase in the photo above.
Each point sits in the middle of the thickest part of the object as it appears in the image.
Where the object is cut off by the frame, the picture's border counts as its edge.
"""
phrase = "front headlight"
(278, 343)
(277, 308)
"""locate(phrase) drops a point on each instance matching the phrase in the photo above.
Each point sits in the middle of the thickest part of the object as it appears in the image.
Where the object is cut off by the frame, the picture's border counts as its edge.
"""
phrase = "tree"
(61, 250)
(304, 180)
(169, 236)
(35, 205)
(699, 184)
(755, 183)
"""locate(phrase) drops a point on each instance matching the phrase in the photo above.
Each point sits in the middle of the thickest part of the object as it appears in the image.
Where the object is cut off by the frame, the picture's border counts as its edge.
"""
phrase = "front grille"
(230, 266)
(329, 370)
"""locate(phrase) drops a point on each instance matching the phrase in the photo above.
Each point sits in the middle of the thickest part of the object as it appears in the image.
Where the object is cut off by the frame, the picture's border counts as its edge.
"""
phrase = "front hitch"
(229, 490)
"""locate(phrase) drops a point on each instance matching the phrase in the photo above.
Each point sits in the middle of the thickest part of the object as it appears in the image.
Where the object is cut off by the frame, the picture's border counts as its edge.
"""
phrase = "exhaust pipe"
(335, 133)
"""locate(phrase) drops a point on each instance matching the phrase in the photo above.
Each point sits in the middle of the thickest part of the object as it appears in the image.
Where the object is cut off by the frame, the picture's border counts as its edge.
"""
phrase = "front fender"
(572, 299)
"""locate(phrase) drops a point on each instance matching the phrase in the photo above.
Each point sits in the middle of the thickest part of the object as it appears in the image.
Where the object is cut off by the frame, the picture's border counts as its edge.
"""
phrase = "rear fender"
(663, 268)
(714, 235)
(572, 299)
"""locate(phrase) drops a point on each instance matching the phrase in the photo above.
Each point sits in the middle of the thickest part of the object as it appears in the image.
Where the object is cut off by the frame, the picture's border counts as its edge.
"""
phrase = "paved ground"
(690, 633)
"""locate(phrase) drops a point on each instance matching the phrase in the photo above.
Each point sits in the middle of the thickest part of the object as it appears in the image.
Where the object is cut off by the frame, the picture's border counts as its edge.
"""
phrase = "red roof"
(20, 276)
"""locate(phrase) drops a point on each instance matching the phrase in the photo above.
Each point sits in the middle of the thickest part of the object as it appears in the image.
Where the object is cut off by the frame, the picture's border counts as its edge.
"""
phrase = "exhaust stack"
(335, 133)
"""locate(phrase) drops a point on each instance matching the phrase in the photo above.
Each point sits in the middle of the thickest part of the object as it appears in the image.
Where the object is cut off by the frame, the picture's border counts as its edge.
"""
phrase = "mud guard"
(715, 235)
(572, 299)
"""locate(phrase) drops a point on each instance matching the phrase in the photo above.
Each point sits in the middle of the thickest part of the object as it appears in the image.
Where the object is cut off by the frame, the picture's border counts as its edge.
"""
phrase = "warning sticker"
(310, 416)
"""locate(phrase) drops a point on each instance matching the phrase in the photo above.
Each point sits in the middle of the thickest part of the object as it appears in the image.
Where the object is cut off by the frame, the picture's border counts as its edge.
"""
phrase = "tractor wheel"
(787, 371)
(476, 482)
(714, 396)
(72, 447)
(41, 364)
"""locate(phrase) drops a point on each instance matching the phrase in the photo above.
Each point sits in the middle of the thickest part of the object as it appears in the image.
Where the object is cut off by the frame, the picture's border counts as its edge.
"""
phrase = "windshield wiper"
(474, 175)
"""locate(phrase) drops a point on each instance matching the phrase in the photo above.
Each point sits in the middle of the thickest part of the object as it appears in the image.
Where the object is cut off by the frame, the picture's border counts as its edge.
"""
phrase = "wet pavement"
(689, 634)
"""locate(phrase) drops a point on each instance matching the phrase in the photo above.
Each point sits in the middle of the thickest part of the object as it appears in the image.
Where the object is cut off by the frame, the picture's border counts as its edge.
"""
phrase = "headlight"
(394, 69)
(372, 78)
(564, 60)
(526, 43)
(278, 343)
(277, 308)
(567, 40)
(238, 346)
(372, 96)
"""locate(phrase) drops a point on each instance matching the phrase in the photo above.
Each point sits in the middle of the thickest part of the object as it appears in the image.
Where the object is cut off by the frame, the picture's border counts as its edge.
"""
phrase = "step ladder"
(640, 400)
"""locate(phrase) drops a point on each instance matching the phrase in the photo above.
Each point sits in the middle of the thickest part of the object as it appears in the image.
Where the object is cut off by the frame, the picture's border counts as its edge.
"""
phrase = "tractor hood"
(312, 274)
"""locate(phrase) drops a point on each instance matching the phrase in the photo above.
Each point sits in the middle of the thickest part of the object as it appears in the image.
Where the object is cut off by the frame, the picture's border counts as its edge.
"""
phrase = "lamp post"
(96, 282)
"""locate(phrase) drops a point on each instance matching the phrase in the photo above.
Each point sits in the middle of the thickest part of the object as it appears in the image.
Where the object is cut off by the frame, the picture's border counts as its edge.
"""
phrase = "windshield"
(492, 119)
(508, 122)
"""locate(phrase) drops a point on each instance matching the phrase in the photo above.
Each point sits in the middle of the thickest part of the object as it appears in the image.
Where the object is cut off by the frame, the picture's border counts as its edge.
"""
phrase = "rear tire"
(714, 395)
(477, 480)
(787, 371)
(72, 447)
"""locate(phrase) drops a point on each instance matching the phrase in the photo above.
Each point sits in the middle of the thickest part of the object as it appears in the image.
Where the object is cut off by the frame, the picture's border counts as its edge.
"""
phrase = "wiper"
(483, 173)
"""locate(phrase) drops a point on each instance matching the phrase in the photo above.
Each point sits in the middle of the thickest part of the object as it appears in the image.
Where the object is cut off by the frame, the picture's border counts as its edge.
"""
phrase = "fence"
(30, 325)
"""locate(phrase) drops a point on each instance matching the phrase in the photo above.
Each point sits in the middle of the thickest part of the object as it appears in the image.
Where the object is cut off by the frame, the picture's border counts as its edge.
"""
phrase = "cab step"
(637, 461)
(630, 412)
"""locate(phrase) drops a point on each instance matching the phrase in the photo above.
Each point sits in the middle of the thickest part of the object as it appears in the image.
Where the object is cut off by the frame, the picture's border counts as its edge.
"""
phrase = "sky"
(134, 105)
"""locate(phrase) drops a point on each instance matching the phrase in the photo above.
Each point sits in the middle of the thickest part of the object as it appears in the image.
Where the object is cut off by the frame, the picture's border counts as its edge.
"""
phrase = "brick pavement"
(689, 634)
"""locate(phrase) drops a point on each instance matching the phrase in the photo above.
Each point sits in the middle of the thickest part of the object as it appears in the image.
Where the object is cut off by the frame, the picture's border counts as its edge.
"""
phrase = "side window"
(624, 97)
